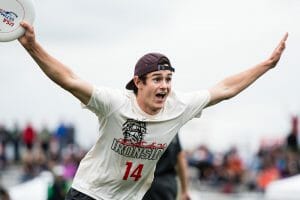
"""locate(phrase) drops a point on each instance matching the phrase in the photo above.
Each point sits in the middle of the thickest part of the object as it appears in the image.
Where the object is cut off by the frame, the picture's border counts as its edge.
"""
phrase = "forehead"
(160, 73)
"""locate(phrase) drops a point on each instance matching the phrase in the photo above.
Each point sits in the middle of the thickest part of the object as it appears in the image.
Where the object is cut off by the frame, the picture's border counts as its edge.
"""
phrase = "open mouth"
(161, 95)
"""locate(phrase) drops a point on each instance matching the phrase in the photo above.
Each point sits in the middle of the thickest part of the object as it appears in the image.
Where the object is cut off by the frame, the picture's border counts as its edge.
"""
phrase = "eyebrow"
(159, 74)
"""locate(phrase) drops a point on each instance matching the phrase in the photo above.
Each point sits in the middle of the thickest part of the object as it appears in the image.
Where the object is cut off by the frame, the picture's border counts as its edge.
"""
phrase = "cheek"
(170, 86)
(151, 92)
(151, 88)
(146, 92)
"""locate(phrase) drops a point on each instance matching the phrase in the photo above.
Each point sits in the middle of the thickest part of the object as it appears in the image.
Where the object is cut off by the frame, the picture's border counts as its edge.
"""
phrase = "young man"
(135, 126)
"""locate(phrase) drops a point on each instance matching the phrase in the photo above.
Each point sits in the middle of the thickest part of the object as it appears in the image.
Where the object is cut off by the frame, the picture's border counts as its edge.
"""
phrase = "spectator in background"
(4, 137)
(59, 188)
(29, 136)
(69, 165)
(267, 174)
(164, 185)
(45, 137)
(202, 159)
(61, 135)
(234, 169)
(4, 194)
(28, 165)
(292, 139)
(15, 139)
(70, 137)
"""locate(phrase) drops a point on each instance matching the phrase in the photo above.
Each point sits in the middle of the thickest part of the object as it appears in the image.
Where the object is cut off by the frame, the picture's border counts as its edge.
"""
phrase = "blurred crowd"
(228, 172)
(57, 151)
(35, 151)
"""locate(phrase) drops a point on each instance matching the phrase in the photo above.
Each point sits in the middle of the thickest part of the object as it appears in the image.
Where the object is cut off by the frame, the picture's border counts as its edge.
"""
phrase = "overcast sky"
(205, 41)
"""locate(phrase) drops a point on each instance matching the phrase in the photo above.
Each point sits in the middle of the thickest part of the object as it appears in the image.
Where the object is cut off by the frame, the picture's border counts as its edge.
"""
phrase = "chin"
(159, 106)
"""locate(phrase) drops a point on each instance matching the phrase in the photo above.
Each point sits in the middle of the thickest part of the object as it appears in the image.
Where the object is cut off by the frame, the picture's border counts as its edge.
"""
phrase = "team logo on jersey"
(134, 131)
(133, 144)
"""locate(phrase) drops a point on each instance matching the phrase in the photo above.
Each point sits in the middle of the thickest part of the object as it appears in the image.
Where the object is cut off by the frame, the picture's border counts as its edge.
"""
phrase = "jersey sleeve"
(104, 101)
(196, 102)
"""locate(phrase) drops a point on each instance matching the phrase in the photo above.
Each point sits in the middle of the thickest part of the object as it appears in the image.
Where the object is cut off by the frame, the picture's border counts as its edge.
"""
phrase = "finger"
(26, 26)
(285, 37)
(281, 45)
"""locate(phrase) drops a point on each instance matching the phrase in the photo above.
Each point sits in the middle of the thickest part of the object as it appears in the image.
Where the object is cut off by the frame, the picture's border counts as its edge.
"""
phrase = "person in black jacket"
(171, 164)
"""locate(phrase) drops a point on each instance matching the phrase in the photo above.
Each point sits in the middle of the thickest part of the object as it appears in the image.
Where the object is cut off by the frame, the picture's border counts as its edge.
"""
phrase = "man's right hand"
(28, 38)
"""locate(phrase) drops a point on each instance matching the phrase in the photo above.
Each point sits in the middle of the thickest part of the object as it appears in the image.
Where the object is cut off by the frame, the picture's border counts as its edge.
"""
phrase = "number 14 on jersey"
(134, 172)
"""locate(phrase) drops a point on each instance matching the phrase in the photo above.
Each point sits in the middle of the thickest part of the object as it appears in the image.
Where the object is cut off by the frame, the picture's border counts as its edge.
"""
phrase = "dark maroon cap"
(149, 63)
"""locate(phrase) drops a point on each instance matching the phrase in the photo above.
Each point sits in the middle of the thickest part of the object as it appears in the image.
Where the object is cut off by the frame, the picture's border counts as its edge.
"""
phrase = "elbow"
(220, 93)
(226, 91)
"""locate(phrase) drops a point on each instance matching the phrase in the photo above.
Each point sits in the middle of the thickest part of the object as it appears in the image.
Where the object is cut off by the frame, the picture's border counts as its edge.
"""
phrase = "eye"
(168, 80)
(156, 80)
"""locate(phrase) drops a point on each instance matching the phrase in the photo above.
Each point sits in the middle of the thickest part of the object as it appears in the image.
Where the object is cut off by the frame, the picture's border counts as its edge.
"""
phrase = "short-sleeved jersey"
(122, 162)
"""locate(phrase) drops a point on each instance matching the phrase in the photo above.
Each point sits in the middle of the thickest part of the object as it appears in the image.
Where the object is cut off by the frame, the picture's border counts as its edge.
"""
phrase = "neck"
(144, 107)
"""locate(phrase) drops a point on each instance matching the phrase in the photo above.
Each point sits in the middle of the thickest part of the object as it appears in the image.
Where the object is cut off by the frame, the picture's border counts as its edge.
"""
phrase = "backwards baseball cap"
(149, 63)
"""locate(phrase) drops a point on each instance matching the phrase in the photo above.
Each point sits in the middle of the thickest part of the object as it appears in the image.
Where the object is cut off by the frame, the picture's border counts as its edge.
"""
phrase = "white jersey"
(122, 162)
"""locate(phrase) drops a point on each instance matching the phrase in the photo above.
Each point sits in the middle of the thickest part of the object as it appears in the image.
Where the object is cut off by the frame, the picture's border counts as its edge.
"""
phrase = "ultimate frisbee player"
(137, 124)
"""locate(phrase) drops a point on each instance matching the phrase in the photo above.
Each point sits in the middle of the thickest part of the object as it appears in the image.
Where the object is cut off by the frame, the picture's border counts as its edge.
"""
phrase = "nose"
(164, 84)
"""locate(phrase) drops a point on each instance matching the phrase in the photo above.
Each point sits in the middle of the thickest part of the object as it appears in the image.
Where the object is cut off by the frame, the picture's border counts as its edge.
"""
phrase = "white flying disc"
(12, 12)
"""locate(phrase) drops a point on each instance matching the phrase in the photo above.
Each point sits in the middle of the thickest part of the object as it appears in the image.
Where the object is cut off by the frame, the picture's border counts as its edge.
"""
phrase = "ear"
(137, 81)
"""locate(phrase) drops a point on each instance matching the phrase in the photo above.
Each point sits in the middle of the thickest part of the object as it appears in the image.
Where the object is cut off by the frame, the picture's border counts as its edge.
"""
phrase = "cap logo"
(165, 67)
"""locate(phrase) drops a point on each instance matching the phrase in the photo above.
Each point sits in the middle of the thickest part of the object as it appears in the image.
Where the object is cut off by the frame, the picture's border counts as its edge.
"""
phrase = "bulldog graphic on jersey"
(134, 131)
(133, 144)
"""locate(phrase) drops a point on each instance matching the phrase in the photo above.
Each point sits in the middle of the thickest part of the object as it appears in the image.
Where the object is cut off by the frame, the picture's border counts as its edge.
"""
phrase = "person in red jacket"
(29, 136)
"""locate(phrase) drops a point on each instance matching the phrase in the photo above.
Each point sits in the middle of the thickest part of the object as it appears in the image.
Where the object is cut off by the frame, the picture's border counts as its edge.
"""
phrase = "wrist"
(268, 64)
(31, 46)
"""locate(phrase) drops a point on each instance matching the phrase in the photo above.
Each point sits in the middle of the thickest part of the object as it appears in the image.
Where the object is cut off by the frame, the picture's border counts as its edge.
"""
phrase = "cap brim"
(130, 85)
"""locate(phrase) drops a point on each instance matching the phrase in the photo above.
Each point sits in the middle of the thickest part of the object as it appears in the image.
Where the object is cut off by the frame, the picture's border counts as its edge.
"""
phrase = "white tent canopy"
(34, 189)
(287, 189)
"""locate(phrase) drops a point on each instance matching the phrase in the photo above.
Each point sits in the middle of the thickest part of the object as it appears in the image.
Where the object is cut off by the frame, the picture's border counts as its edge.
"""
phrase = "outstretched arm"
(55, 70)
(233, 85)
